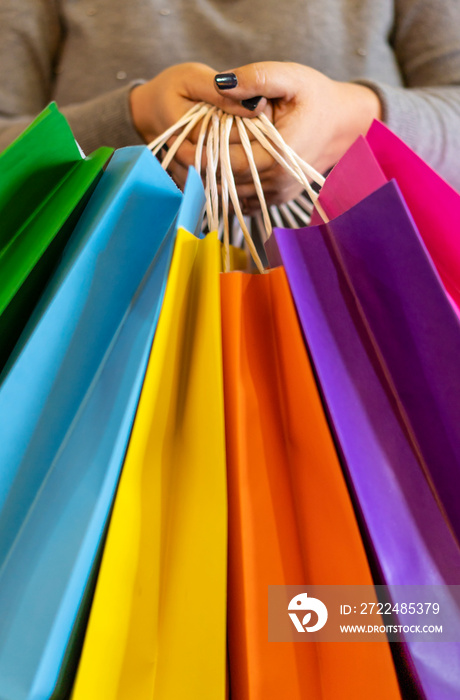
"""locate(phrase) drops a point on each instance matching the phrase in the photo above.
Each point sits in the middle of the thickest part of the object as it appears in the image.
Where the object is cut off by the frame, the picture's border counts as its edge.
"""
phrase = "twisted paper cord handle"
(214, 134)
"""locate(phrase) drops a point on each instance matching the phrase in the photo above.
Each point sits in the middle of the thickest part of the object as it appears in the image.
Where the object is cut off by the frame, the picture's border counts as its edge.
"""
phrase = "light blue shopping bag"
(66, 408)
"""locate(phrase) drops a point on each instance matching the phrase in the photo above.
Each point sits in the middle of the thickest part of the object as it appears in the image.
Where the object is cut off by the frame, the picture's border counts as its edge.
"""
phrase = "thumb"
(268, 79)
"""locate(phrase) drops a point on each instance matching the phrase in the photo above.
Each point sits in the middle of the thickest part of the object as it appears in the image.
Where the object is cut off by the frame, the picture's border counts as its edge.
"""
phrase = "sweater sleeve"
(31, 38)
(425, 112)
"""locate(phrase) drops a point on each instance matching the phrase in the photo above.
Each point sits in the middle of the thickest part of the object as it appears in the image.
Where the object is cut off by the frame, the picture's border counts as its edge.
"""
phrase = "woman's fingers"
(269, 79)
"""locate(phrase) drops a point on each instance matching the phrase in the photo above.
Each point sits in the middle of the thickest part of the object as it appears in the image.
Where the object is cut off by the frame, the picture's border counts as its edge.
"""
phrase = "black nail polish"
(226, 81)
(251, 103)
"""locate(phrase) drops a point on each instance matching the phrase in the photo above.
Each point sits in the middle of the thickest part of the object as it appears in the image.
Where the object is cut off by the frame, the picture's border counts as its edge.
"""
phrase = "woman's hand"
(318, 117)
(161, 102)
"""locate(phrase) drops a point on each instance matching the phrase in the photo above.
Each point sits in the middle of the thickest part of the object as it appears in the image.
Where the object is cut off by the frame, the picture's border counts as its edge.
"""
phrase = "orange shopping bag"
(291, 521)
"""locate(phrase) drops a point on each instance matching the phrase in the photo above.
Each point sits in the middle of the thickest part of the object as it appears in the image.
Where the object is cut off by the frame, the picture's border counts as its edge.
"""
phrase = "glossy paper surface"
(66, 411)
(44, 185)
(158, 624)
(345, 276)
(432, 202)
(290, 515)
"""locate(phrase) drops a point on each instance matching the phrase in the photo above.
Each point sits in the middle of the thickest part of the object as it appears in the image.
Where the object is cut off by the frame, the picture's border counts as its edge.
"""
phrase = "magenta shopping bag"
(352, 179)
(384, 342)
(433, 203)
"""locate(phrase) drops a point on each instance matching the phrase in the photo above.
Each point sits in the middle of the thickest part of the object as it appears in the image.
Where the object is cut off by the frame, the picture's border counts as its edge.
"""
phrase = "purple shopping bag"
(433, 203)
(383, 340)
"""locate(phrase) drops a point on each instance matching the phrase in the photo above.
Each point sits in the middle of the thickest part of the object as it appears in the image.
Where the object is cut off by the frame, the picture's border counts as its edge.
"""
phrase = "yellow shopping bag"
(157, 627)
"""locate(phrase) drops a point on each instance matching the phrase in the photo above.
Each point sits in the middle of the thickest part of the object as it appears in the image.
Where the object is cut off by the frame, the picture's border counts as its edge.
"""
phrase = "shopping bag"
(66, 412)
(433, 203)
(44, 185)
(417, 334)
(356, 282)
(190, 216)
(291, 520)
(157, 627)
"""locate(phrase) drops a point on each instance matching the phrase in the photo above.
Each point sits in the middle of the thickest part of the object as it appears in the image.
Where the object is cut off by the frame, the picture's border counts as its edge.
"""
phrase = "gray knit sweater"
(86, 54)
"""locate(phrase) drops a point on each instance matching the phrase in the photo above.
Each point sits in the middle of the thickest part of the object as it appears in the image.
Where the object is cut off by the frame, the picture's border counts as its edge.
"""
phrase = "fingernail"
(251, 103)
(226, 81)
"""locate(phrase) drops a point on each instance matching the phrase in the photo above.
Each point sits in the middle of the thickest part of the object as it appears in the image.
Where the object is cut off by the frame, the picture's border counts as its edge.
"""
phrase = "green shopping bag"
(45, 182)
